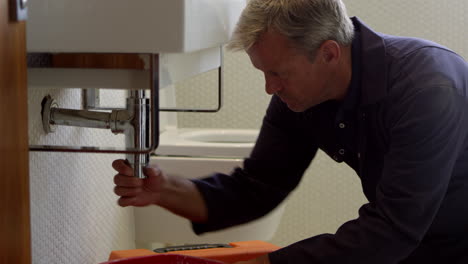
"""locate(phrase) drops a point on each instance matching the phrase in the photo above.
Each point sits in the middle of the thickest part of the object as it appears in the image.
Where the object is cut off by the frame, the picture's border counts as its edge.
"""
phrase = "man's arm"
(176, 194)
(281, 154)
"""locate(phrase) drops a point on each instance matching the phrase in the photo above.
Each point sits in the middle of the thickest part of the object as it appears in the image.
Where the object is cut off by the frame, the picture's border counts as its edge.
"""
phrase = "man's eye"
(275, 74)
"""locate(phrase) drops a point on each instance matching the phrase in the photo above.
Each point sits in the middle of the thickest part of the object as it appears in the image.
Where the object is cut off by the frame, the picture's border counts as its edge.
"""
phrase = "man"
(394, 109)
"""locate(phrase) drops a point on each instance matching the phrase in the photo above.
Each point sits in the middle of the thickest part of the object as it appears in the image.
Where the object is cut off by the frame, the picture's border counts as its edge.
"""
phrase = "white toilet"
(196, 153)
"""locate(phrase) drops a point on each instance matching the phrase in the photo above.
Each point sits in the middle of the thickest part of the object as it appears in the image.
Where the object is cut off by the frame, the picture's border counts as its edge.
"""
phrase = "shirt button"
(335, 157)
(341, 151)
(341, 125)
(359, 155)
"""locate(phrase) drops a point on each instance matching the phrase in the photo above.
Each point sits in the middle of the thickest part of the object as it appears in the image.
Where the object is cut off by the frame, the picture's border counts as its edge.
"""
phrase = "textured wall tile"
(75, 217)
(440, 21)
(245, 99)
(329, 194)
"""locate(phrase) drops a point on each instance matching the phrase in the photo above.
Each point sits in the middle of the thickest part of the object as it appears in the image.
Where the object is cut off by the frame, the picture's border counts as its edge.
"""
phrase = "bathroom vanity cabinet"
(14, 162)
(96, 60)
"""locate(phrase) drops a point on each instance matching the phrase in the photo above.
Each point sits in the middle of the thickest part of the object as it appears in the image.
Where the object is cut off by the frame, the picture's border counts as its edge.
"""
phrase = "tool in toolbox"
(225, 253)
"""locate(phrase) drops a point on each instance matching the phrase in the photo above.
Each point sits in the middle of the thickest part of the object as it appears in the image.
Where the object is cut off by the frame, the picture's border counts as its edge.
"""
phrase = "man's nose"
(272, 85)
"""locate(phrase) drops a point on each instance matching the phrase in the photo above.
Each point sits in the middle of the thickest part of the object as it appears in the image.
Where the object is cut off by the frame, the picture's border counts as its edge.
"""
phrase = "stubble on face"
(308, 83)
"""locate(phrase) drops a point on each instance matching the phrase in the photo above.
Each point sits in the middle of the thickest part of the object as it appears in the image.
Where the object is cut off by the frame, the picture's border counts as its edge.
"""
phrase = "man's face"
(290, 74)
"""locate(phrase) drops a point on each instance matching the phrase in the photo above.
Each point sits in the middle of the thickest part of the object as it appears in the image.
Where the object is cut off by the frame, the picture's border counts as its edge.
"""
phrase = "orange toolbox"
(194, 254)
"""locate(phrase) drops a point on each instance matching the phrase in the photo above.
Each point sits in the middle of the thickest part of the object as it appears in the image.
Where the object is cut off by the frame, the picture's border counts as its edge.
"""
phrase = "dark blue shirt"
(409, 146)
(346, 113)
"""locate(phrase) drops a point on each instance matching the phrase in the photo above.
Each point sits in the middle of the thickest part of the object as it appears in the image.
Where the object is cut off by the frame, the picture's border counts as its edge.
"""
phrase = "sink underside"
(124, 26)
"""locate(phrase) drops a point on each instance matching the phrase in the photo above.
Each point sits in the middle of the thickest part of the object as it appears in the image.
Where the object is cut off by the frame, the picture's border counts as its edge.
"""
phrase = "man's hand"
(138, 192)
(260, 260)
(176, 194)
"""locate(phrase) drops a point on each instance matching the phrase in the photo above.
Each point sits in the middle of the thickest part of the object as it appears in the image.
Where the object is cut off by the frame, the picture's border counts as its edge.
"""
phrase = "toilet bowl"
(231, 143)
(197, 153)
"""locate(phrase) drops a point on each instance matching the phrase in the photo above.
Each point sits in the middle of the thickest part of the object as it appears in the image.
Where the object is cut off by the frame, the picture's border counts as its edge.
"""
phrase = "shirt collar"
(373, 64)
(351, 99)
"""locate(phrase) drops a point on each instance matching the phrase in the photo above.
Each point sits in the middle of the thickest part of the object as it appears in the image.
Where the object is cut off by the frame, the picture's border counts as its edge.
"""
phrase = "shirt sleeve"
(428, 130)
(280, 156)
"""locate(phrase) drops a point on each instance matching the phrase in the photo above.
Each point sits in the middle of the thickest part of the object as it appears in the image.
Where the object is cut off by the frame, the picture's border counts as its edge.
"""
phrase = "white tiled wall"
(330, 193)
(74, 215)
(245, 100)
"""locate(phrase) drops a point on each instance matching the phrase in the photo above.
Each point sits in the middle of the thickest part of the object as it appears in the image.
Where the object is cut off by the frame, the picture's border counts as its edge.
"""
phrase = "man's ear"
(330, 52)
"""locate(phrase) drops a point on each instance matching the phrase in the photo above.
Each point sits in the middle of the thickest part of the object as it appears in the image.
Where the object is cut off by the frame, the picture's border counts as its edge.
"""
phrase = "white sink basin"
(126, 26)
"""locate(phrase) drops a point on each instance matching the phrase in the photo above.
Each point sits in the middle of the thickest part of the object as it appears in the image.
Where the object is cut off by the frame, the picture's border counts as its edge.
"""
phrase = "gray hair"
(308, 23)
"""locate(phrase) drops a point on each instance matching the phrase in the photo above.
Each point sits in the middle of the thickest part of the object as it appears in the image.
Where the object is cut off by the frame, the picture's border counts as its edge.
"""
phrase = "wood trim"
(98, 60)
(15, 237)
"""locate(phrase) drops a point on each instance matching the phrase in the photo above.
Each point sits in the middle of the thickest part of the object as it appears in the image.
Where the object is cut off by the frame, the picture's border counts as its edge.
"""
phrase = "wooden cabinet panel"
(97, 60)
(15, 242)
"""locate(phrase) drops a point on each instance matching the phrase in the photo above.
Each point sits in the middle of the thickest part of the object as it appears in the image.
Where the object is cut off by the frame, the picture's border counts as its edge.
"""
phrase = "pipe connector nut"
(48, 104)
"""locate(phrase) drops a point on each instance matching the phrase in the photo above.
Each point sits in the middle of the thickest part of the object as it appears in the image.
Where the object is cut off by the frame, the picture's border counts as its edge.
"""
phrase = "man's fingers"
(152, 172)
(122, 167)
(125, 181)
(125, 191)
(126, 201)
(134, 191)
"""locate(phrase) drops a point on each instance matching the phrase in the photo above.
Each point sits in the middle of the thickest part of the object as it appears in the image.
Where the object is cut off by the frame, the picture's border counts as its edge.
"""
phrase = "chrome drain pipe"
(132, 121)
